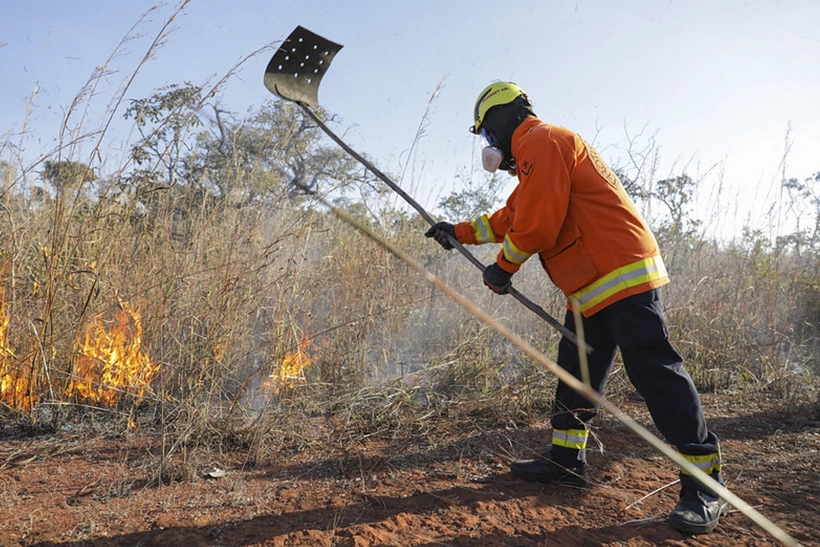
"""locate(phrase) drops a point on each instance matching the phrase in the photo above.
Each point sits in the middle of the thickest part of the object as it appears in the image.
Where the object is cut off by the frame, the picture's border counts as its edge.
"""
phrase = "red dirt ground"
(66, 491)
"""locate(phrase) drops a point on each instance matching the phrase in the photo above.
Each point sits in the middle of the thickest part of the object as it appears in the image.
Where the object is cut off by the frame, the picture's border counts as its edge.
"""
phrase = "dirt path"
(77, 492)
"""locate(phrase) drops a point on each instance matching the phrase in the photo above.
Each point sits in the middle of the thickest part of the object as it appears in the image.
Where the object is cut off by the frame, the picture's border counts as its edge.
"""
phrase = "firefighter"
(571, 210)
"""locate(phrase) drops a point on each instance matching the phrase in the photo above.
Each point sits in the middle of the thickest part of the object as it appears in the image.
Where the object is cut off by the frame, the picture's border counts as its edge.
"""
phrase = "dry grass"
(229, 283)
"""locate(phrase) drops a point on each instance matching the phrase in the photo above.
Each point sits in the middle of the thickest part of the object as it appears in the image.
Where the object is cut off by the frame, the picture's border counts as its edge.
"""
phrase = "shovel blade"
(296, 69)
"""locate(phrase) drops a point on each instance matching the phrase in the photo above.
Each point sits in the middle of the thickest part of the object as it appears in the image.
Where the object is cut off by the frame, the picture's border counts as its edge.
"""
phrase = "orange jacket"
(571, 209)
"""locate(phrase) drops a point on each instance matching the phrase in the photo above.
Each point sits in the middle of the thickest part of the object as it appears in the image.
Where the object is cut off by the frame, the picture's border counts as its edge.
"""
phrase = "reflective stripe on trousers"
(708, 463)
(570, 438)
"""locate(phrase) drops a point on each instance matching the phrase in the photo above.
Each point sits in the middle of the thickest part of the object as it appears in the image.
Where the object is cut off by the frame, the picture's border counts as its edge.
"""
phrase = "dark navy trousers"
(636, 325)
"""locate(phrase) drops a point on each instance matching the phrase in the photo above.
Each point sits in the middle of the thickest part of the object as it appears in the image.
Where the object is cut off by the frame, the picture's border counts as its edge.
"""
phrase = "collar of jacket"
(522, 129)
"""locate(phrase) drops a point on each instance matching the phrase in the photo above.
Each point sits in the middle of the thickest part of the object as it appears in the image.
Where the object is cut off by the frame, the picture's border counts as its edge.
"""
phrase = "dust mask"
(491, 158)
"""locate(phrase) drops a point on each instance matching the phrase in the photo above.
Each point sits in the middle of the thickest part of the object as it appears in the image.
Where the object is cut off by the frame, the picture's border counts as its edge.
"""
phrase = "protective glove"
(439, 232)
(497, 278)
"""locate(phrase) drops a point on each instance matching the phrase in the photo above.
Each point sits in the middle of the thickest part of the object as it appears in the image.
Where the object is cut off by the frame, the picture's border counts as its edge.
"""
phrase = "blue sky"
(712, 82)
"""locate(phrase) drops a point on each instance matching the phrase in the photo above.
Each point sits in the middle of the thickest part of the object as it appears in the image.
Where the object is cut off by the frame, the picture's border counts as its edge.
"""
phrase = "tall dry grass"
(230, 284)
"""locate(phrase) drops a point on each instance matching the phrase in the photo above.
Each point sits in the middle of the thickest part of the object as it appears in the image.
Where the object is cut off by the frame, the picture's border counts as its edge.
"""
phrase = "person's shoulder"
(558, 129)
(537, 125)
(556, 134)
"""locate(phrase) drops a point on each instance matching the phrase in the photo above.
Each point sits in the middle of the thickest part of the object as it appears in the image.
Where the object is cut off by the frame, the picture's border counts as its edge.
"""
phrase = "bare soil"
(70, 490)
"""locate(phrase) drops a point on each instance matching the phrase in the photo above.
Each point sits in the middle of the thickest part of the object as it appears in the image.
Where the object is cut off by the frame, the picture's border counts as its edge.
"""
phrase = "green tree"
(61, 175)
(165, 121)
(260, 156)
(475, 199)
(678, 230)
(804, 199)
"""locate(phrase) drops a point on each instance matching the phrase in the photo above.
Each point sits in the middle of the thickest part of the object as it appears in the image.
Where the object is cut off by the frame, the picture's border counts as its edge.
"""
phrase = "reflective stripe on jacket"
(571, 210)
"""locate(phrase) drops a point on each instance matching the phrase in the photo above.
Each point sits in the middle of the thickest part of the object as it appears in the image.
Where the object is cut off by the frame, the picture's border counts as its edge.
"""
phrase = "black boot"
(697, 512)
(545, 470)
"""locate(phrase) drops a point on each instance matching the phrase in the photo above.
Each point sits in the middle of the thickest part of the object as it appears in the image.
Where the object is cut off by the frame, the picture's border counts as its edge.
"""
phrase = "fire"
(15, 385)
(291, 369)
(111, 362)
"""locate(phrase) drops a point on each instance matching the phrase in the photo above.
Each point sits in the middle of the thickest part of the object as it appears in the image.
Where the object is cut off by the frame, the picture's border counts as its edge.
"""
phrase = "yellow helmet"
(495, 94)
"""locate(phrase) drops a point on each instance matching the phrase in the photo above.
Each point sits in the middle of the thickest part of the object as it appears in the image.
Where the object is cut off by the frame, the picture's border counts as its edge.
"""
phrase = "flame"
(15, 385)
(290, 371)
(111, 362)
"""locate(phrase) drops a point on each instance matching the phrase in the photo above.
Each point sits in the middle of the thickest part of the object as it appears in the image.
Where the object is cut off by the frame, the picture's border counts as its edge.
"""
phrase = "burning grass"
(110, 366)
(16, 389)
(111, 363)
(290, 371)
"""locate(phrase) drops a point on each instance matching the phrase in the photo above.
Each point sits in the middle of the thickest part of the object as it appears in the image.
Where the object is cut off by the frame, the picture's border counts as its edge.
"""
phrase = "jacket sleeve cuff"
(505, 264)
(465, 233)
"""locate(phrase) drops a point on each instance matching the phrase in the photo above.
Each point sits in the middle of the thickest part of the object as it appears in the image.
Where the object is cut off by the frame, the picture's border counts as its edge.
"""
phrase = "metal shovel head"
(296, 69)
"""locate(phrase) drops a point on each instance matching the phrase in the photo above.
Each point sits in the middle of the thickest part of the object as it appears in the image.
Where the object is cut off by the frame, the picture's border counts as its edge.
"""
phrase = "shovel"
(294, 74)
